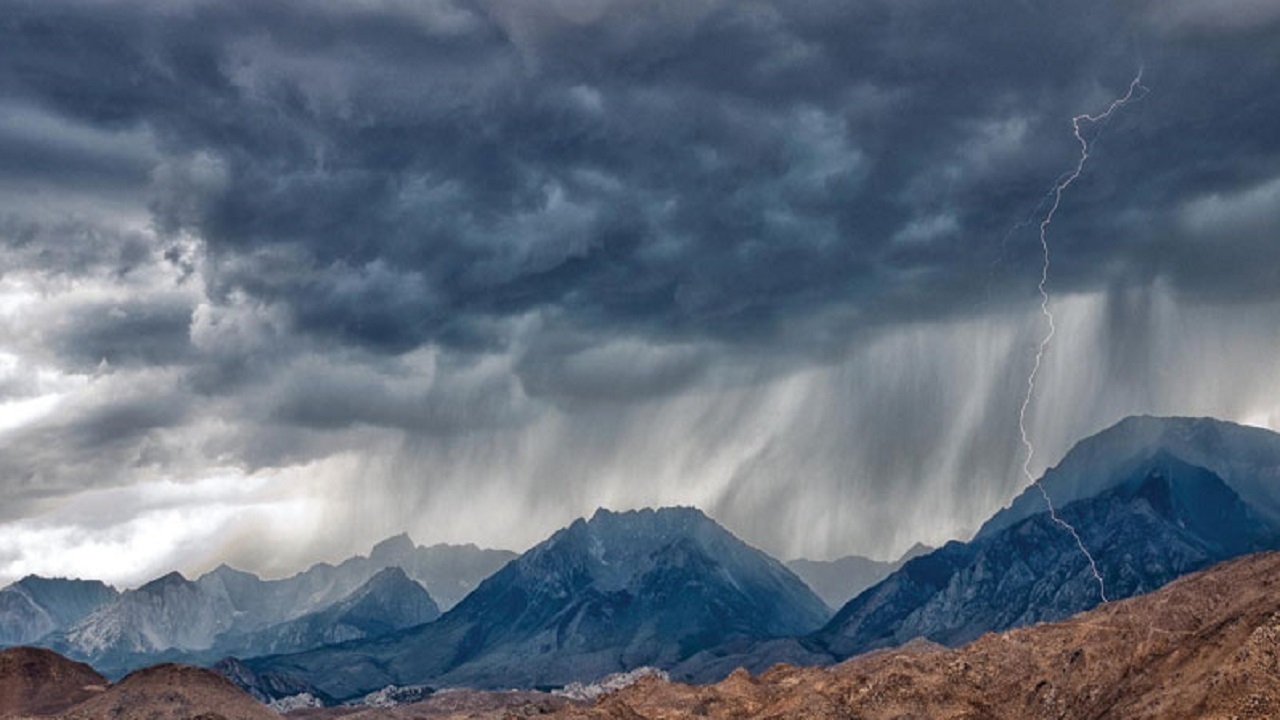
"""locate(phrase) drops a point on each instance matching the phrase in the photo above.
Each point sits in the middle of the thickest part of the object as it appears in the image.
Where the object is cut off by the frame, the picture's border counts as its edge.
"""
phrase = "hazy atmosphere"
(280, 279)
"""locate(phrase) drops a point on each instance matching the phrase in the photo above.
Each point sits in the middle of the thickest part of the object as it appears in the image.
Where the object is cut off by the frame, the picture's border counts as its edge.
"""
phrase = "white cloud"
(129, 535)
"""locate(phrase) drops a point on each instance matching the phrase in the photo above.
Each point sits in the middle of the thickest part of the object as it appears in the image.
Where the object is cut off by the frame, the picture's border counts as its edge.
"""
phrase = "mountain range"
(1149, 499)
(230, 612)
(591, 600)
(1202, 646)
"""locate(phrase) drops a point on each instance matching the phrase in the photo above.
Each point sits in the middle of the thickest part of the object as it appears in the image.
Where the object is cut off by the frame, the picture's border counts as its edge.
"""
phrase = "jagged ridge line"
(1058, 189)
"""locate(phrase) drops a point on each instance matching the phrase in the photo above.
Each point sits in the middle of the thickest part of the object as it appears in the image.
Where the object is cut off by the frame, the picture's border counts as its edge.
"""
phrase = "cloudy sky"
(279, 279)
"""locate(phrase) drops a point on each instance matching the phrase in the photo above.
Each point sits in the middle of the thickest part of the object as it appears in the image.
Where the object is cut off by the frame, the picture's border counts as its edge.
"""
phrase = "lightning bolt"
(1136, 91)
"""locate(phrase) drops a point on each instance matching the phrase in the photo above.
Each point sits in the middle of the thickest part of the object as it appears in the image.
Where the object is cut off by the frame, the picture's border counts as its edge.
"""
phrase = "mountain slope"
(1204, 646)
(1166, 519)
(35, 681)
(22, 620)
(621, 591)
(1246, 458)
(451, 572)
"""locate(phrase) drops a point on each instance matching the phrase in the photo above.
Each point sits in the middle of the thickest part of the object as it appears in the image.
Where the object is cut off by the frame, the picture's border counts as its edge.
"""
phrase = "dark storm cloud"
(589, 368)
(709, 168)
(549, 247)
(146, 333)
(70, 247)
(437, 400)
(703, 168)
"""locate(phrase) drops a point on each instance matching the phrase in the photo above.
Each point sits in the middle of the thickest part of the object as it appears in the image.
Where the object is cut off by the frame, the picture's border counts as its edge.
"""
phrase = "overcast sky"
(279, 279)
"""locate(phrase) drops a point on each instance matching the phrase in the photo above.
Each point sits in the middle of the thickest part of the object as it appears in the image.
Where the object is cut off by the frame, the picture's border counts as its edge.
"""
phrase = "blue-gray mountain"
(34, 607)
(448, 572)
(390, 601)
(620, 591)
(1246, 458)
(841, 580)
(1145, 501)
(228, 611)
(170, 614)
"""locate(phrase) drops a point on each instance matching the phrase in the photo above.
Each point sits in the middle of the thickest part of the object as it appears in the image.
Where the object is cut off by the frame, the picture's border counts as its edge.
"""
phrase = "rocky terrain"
(171, 692)
(35, 681)
(1205, 646)
(453, 705)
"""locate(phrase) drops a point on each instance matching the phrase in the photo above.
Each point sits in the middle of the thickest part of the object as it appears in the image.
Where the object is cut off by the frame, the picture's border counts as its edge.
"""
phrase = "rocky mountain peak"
(392, 551)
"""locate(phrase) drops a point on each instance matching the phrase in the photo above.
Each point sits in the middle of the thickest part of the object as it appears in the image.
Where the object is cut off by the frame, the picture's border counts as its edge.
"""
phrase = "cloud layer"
(471, 268)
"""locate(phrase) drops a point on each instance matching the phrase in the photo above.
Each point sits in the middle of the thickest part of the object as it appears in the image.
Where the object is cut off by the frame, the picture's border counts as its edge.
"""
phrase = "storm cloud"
(473, 267)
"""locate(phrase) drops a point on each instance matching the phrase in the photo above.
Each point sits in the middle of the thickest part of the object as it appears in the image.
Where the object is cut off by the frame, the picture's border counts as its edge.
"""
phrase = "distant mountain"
(168, 614)
(228, 611)
(1246, 458)
(34, 606)
(839, 581)
(448, 572)
(1165, 519)
(620, 591)
(389, 601)
(39, 682)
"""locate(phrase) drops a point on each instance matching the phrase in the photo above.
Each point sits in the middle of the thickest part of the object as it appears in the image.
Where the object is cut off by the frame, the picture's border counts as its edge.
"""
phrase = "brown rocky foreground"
(40, 683)
(1205, 646)
(172, 692)
(35, 681)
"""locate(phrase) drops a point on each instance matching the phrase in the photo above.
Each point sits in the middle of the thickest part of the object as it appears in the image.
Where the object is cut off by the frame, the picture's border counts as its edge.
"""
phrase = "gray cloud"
(774, 258)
